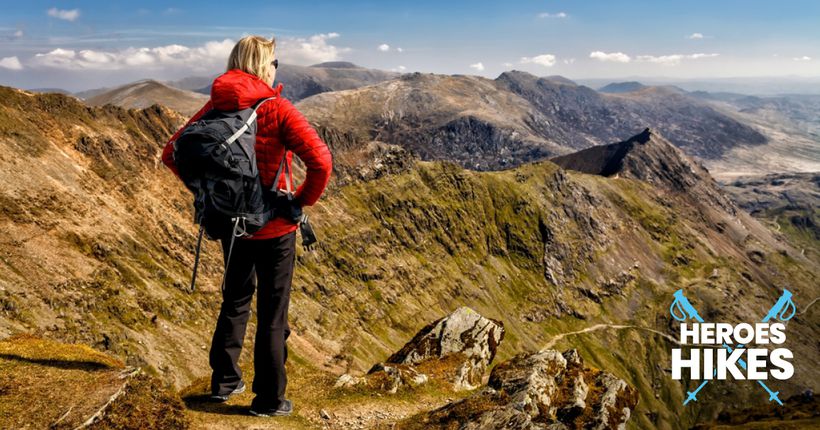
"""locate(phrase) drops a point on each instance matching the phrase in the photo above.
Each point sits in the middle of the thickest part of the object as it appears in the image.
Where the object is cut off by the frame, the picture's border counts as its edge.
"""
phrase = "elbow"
(327, 167)
(323, 163)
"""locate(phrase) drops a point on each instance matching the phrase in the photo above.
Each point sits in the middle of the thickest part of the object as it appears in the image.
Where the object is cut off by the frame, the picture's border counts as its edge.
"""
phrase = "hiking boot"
(285, 408)
(224, 397)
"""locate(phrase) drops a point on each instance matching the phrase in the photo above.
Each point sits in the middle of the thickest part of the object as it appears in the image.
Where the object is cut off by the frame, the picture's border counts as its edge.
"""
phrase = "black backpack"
(216, 160)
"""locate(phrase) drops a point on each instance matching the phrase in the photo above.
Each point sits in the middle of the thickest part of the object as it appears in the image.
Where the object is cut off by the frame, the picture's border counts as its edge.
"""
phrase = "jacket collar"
(236, 90)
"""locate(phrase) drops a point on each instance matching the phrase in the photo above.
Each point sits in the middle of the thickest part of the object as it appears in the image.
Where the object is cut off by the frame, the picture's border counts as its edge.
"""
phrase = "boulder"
(455, 350)
(463, 333)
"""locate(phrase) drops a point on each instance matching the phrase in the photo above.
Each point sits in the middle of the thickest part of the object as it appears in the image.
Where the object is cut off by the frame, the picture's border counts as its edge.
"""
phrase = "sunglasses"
(275, 63)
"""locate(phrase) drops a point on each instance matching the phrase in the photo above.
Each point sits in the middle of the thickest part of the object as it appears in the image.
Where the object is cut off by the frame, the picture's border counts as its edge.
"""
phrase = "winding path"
(806, 309)
(597, 327)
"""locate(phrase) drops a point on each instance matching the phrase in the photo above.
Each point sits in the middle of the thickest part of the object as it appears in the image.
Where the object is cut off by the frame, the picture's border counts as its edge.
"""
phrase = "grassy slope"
(45, 384)
(101, 248)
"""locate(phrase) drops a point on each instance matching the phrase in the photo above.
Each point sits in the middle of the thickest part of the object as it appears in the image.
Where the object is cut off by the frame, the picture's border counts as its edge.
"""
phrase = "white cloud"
(478, 66)
(18, 34)
(552, 15)
(546, 60)
(569, 61)
(803, 58)
(11, 63)
(68, 15)
(384, 47)
(507, 64)
(208, 56)
(311, 50)
(695, 36)
(698, 56)
(674, 59)
(399, 49)
(58, 58)
(618, 57)
(399, 69)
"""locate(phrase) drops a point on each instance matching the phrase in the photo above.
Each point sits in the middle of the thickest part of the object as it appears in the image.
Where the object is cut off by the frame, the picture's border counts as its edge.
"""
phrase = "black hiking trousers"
(268, 265)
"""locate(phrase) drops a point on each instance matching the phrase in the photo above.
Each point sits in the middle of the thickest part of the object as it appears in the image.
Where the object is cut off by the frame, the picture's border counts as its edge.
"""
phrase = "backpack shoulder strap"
(248, 122)
(256, 106)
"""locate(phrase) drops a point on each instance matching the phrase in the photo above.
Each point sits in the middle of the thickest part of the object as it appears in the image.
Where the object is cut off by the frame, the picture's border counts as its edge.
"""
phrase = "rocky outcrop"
(456, 350)
(542, 390)
(464, 333)
(371, 161)
(476, 143)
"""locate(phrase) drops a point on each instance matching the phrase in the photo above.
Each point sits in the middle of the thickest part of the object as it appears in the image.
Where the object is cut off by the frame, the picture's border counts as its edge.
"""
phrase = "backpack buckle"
(284, 193)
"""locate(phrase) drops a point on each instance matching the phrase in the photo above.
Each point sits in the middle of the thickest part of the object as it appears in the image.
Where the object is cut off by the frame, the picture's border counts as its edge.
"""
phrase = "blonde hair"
(253, 54)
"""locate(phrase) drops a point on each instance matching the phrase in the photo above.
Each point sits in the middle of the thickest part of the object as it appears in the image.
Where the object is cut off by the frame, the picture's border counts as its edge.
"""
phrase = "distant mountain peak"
(146, 92)
(515, 75)
(518, 77)
(646, 156)
(622, 87)
(560, 79)
(337, 65)
(649, 157)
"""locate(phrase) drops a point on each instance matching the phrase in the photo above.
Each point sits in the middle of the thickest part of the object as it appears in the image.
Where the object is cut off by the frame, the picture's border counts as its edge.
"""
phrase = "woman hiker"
(264, 261)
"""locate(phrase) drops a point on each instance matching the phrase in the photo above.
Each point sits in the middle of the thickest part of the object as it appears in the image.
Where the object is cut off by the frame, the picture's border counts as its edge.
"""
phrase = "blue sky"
(83, 44)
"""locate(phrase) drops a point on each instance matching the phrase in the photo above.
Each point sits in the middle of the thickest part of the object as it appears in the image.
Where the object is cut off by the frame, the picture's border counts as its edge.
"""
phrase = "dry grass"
(46, 384)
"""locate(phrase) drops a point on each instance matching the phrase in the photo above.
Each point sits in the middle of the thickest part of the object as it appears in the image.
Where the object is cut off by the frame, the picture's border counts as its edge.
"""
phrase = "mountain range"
(304, 81)
(518, 117)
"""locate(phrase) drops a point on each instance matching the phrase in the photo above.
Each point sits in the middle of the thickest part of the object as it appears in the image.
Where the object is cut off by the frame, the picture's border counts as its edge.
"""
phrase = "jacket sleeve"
(301, 138)
(168, 151)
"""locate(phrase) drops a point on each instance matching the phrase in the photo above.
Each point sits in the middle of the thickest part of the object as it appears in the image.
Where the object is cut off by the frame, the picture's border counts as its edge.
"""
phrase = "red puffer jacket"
(280, 127)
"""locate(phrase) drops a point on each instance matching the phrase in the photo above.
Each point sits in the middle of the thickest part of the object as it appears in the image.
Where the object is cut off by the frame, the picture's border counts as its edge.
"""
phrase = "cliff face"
(100, 247)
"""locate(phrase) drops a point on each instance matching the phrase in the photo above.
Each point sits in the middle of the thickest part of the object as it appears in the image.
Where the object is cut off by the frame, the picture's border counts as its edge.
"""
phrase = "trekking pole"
(196, 258)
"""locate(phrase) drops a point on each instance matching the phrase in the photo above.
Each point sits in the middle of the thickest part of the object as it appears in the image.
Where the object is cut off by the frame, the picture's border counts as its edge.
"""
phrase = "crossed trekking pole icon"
(681, 309)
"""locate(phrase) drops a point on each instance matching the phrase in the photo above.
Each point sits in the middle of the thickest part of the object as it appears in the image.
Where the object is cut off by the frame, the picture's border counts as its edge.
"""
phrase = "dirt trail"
(597, 327)
(317, 405)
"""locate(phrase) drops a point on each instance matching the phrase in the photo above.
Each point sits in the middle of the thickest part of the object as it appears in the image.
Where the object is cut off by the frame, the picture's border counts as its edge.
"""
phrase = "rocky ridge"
(539, 391)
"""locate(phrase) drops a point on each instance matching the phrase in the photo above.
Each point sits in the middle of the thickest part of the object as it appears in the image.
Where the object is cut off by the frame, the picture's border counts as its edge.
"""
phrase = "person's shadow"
(203, 403)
